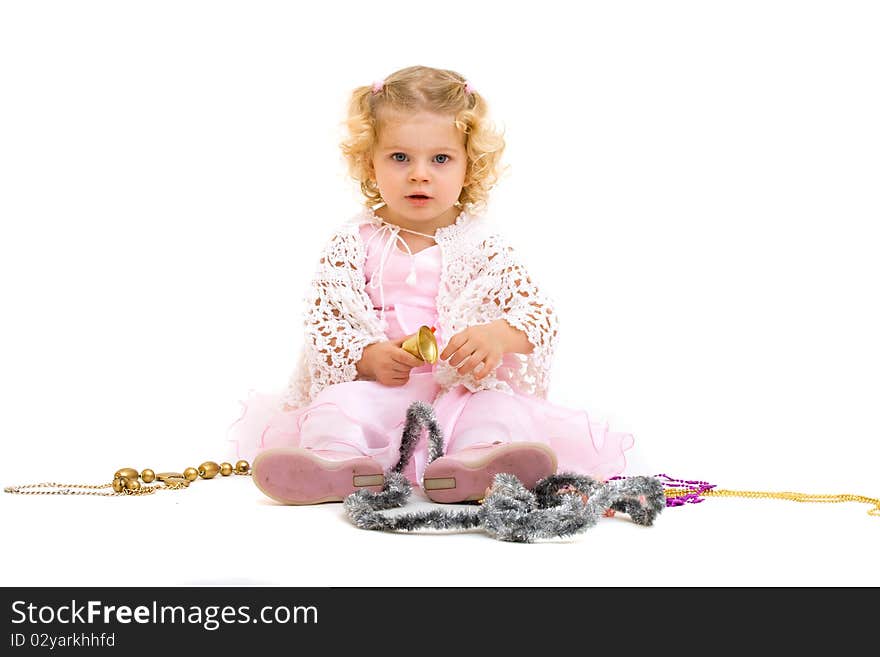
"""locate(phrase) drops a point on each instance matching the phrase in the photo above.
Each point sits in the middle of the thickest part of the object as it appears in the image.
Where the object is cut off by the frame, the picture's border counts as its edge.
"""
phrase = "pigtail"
(357, 147)
(485, 146)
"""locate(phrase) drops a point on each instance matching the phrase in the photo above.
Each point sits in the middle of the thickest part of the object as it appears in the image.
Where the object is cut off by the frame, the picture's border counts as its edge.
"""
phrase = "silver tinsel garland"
(561, 504)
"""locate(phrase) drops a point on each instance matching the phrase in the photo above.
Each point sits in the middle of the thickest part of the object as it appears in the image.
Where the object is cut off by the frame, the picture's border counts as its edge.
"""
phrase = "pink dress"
(367, 417)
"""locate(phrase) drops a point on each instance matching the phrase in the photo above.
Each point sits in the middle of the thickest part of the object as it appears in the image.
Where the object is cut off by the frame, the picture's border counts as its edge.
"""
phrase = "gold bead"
(148, 476)
(190, 474)
(128, 473)
(132, 484)
(208, 470)
(242, 467)
(163, 476)
(119, 484)
(226, 469)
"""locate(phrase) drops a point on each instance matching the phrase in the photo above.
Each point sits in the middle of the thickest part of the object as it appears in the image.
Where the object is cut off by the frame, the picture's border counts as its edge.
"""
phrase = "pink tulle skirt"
(367, 417)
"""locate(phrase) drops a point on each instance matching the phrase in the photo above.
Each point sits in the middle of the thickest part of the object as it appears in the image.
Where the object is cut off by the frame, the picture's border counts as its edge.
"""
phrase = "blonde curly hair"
(415, 89)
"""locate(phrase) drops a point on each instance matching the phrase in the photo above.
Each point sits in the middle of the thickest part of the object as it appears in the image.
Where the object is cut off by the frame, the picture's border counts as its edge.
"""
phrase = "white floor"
(224, 532)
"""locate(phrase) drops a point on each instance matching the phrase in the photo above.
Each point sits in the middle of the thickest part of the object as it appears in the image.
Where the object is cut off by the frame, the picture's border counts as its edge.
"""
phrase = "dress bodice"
(408, 304)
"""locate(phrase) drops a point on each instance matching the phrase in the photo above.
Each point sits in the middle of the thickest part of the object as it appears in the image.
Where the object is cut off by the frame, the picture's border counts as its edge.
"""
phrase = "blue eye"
(441, 161)
(402, 158)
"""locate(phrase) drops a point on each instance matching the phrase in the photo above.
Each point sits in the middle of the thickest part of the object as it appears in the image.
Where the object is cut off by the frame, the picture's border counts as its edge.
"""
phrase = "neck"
(425, 228)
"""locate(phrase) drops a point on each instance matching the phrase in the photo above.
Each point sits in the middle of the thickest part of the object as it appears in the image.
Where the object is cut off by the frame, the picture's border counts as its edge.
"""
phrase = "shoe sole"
(448, 480)
(291, 475)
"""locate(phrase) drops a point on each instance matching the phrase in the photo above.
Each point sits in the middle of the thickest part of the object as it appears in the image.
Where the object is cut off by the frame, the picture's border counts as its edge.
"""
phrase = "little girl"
(421, 253)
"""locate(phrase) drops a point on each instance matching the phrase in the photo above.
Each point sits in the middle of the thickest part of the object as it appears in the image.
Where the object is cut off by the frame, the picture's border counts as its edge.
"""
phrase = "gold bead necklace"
(128, 481)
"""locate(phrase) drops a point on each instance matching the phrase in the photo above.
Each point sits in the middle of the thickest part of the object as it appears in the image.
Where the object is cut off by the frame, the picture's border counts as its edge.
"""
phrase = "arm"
(524, 304)
(512, 341)
(339, 319)
(508, 313)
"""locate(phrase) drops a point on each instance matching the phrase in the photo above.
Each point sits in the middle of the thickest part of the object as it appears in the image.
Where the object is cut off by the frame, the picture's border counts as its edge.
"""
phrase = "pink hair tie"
(377, 86)
(468, 89)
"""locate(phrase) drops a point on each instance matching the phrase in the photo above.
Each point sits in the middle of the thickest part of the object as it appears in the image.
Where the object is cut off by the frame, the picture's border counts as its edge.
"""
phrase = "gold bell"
(422, 344)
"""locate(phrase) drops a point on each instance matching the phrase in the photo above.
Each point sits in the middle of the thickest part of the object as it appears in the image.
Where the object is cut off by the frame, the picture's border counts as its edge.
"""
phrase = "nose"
(418, 172)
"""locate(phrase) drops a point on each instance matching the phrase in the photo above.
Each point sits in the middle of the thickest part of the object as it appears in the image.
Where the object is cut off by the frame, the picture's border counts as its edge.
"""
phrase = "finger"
(403, 357)
(452, 346)
(459, 356)
(395, 381)
(489, 366)
(393, 368)
(471, 363)
(399, 369)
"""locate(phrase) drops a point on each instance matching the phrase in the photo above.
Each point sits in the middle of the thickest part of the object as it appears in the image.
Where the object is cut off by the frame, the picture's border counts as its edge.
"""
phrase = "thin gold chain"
(782, 495)
(53, 488)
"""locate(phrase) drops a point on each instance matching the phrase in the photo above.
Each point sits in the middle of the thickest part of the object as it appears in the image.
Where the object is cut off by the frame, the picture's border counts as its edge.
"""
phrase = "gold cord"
(782, 495)
(128, 481)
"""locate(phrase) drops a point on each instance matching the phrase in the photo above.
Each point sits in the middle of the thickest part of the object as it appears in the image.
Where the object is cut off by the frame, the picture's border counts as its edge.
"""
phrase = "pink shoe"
(293, 475)
(465, 475)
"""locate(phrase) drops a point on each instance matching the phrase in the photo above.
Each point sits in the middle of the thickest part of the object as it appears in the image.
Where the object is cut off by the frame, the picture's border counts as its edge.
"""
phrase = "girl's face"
(419, 163)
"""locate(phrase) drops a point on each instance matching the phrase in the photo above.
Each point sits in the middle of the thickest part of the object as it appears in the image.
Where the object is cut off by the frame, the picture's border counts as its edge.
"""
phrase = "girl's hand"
(481, 345)
(387, 362)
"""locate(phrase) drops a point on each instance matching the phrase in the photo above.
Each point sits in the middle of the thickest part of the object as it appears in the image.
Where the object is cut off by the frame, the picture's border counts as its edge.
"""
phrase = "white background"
(695, 183)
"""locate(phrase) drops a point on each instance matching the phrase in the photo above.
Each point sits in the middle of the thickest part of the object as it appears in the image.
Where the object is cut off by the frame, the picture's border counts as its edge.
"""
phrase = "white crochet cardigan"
(481, 280)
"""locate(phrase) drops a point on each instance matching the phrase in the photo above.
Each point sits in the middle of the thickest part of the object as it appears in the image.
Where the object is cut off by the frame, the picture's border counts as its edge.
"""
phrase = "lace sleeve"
(523, 303)
(339, 318)
(526, 307)
(503, 288)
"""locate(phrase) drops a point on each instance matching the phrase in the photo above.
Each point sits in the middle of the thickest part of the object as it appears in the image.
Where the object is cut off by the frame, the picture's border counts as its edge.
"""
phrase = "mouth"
(418, 200)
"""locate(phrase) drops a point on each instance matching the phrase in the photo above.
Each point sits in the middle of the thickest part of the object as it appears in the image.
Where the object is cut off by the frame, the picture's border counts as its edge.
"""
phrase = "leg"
(491, 434)
(490, 417)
